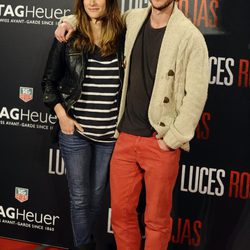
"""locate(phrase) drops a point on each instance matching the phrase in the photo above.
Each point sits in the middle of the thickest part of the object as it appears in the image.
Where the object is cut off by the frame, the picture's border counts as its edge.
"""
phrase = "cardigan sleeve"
(71, 20)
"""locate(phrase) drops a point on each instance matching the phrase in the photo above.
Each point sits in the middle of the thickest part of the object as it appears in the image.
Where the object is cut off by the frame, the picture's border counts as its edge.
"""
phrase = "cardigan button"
(166, 99)
(171, 72)
(162, 124)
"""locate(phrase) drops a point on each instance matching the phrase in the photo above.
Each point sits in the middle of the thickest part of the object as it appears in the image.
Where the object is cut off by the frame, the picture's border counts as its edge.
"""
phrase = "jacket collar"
(141, 16)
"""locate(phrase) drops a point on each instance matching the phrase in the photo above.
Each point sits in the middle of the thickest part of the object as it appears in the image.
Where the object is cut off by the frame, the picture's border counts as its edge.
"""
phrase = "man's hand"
(63, 32)
(163, 146)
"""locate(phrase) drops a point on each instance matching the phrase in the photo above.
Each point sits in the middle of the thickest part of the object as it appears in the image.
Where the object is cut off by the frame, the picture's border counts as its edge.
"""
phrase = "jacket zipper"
(80, 82)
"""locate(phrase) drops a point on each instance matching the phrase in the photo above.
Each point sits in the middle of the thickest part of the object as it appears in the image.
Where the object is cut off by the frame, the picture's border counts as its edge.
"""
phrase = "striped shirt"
(97, 109)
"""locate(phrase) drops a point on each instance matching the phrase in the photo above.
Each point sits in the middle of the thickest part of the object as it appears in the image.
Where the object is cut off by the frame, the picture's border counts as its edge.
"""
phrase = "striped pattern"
(97, 109)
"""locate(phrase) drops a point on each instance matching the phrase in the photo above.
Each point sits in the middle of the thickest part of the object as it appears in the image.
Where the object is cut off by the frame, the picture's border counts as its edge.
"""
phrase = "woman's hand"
(67, 124)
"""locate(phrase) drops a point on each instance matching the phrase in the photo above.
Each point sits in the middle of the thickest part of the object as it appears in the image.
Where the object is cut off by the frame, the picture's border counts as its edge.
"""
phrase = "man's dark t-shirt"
(143, 67)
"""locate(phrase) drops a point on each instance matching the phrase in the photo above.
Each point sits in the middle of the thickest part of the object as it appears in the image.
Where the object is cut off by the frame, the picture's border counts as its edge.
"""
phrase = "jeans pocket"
(62, 133)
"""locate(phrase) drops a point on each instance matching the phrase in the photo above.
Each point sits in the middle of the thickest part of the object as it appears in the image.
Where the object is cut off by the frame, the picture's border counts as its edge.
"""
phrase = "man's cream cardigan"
(181, 82)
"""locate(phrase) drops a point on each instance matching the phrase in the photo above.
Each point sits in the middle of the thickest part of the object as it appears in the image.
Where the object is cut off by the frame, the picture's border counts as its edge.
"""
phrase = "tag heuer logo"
(21, 194)
(26, 94)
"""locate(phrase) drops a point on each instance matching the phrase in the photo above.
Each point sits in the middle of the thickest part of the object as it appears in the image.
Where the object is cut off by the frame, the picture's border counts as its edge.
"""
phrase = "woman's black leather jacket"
(65, 71)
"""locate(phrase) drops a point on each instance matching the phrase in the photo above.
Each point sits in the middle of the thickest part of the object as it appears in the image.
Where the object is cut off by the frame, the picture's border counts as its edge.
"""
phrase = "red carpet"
(6, 244)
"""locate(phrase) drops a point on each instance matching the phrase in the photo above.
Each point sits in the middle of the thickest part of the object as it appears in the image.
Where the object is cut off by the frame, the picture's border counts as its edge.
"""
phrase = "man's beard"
(163, 6)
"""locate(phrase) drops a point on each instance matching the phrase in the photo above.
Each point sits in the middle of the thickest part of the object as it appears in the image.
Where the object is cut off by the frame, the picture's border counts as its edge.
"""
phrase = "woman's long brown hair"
(111, 28)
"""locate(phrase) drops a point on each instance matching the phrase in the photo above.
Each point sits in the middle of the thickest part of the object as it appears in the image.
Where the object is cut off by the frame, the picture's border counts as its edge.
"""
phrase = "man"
(164, 92)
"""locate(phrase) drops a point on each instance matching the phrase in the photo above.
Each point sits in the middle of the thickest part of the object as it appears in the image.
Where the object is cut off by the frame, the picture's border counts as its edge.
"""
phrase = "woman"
(82, 84)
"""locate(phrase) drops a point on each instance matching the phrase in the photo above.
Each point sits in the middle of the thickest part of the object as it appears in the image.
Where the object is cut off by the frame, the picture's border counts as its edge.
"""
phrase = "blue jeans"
(87, 168)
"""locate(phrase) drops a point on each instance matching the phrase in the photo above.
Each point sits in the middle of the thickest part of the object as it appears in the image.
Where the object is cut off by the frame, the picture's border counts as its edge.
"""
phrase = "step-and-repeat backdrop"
(212, 195)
